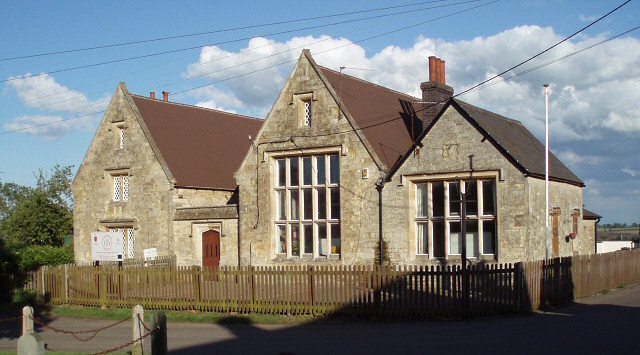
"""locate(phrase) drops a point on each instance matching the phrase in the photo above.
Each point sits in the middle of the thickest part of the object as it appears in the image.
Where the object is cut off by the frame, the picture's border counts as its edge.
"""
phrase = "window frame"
(302, 216)
(120, 187)
(432, 233)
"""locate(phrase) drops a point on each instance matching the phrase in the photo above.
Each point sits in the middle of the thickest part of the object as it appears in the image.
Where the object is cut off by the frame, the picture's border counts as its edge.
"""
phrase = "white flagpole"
(546, 170)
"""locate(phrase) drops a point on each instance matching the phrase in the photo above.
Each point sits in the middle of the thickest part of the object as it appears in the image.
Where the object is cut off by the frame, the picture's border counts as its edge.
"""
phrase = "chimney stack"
(152, 95)
(435, 92)
(165, 96)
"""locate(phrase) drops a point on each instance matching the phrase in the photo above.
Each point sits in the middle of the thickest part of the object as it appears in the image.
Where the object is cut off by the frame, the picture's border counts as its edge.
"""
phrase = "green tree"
(38, 216)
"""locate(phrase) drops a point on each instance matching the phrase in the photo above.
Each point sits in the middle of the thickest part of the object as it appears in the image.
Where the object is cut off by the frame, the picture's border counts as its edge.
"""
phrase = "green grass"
(176, 316)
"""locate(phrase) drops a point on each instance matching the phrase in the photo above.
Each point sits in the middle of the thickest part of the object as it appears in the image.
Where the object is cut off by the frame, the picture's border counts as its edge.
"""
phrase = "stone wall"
(148, 209)
(445, 155)
(283, 133)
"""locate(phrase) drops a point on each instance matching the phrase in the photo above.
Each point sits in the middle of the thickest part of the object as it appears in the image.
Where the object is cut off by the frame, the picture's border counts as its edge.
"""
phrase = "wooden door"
(211, 248)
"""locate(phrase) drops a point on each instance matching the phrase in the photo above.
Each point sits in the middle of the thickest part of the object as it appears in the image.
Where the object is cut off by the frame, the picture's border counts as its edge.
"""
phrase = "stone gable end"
(286, 134)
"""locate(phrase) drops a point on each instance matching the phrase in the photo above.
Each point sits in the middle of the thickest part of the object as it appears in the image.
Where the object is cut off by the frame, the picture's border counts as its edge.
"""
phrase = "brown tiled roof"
(522, 147)
(586, 214)
(202, 147)
(376, 110)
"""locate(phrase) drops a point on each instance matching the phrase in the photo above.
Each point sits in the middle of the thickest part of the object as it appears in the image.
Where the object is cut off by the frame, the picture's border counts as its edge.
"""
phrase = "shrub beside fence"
(391, 290)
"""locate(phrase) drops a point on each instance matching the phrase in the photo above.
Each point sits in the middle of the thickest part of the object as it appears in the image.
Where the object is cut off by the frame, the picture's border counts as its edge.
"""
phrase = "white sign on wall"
(107, 246)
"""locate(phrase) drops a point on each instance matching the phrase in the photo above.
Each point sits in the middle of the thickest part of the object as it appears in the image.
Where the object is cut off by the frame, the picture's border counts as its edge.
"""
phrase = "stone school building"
(338, 167)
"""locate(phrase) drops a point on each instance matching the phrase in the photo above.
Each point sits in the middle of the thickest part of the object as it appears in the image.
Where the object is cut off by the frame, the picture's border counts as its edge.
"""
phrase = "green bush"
(8, 270)
(32, 257)
(27, 298)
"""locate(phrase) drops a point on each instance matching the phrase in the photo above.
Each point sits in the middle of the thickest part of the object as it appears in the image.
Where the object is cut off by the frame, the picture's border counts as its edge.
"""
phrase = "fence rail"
(392, 290)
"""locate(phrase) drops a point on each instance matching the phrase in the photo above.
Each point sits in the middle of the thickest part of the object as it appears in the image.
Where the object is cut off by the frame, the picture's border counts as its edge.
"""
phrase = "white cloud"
(571, 158)
(585, 18)
(43, 92)
(68, 110)
(591, 93)
(48, 127)
(633, 173)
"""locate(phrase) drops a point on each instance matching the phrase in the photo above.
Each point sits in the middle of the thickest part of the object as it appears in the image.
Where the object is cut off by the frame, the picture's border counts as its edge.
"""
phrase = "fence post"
(44, 288)
(66, 283)
(137, 332)
(311, 288)
(159, 336)
(29, 342)
(195, 273)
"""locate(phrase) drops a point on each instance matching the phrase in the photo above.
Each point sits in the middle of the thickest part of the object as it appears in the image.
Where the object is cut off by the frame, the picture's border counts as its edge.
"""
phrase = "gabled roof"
(377, 112)
(201, 147)
(524, 150)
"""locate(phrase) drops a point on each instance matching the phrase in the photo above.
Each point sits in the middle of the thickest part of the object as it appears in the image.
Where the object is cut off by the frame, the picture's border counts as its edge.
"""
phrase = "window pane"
(423, 238)
(125, 187)
(321, 174)
(472, 239)
(281, 246)
(488, 237)
(422, 204)
(454, 199)
(322, 203)
(437, 198)
(121, 138)
(438, 239)
(306, 171)
(293, 171)
(322, 239)
(335, 203)
(294, 205)
(472, 198)
(307, 112)
(455, 238)
(282, 172)
(116, 188)
(307, 207)
(489, 198)
(295, 240)
(335, 169)
(130, 241)
(308, 239)
(282, 194)
(335, 239)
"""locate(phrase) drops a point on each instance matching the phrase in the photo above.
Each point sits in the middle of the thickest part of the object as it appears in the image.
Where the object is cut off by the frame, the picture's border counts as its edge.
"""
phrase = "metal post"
(546, 171)
(463, 231)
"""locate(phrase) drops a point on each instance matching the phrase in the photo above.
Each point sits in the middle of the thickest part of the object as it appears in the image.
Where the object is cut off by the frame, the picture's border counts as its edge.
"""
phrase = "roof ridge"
(198, 107)
(370, 83)
(491, 112)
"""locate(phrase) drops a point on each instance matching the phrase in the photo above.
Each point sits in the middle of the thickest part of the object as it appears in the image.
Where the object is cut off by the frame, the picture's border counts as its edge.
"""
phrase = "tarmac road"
(604, 324)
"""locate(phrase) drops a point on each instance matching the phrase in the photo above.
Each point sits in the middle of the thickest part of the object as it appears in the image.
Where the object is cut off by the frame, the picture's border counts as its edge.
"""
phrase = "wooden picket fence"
(317, 290)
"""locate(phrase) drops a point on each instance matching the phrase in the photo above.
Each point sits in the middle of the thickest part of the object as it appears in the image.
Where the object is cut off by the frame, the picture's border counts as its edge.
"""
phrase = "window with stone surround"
(304, 108)
(127, 233)
(307, 208)
(120, 187)
(438, 217)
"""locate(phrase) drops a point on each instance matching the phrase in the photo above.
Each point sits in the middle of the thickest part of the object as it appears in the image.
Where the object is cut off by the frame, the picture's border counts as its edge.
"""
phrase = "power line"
(112, 45)
(395, 117)
(114, 61)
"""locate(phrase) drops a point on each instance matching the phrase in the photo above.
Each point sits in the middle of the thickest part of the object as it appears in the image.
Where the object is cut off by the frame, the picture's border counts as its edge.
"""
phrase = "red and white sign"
(107, 246)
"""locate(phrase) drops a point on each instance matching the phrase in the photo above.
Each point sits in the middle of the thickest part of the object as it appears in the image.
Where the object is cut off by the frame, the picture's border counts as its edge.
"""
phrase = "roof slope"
(377, 111)
(518, 143)
(202, 147)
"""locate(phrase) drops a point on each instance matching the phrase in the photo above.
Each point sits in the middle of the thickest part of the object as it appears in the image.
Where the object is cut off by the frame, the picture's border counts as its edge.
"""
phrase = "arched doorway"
(211, 248)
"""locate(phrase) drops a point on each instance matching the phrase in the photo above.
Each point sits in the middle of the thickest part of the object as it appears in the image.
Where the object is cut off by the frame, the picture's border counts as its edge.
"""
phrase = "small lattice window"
(307, 112)
(121, 187)
(121, 138)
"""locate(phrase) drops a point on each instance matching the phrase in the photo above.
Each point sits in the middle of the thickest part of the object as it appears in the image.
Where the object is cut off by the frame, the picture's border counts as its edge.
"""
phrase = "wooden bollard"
(159, 336)
(29, 342)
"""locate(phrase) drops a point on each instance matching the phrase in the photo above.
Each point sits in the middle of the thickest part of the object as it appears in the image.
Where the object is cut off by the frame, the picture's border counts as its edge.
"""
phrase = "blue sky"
(50, 104)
